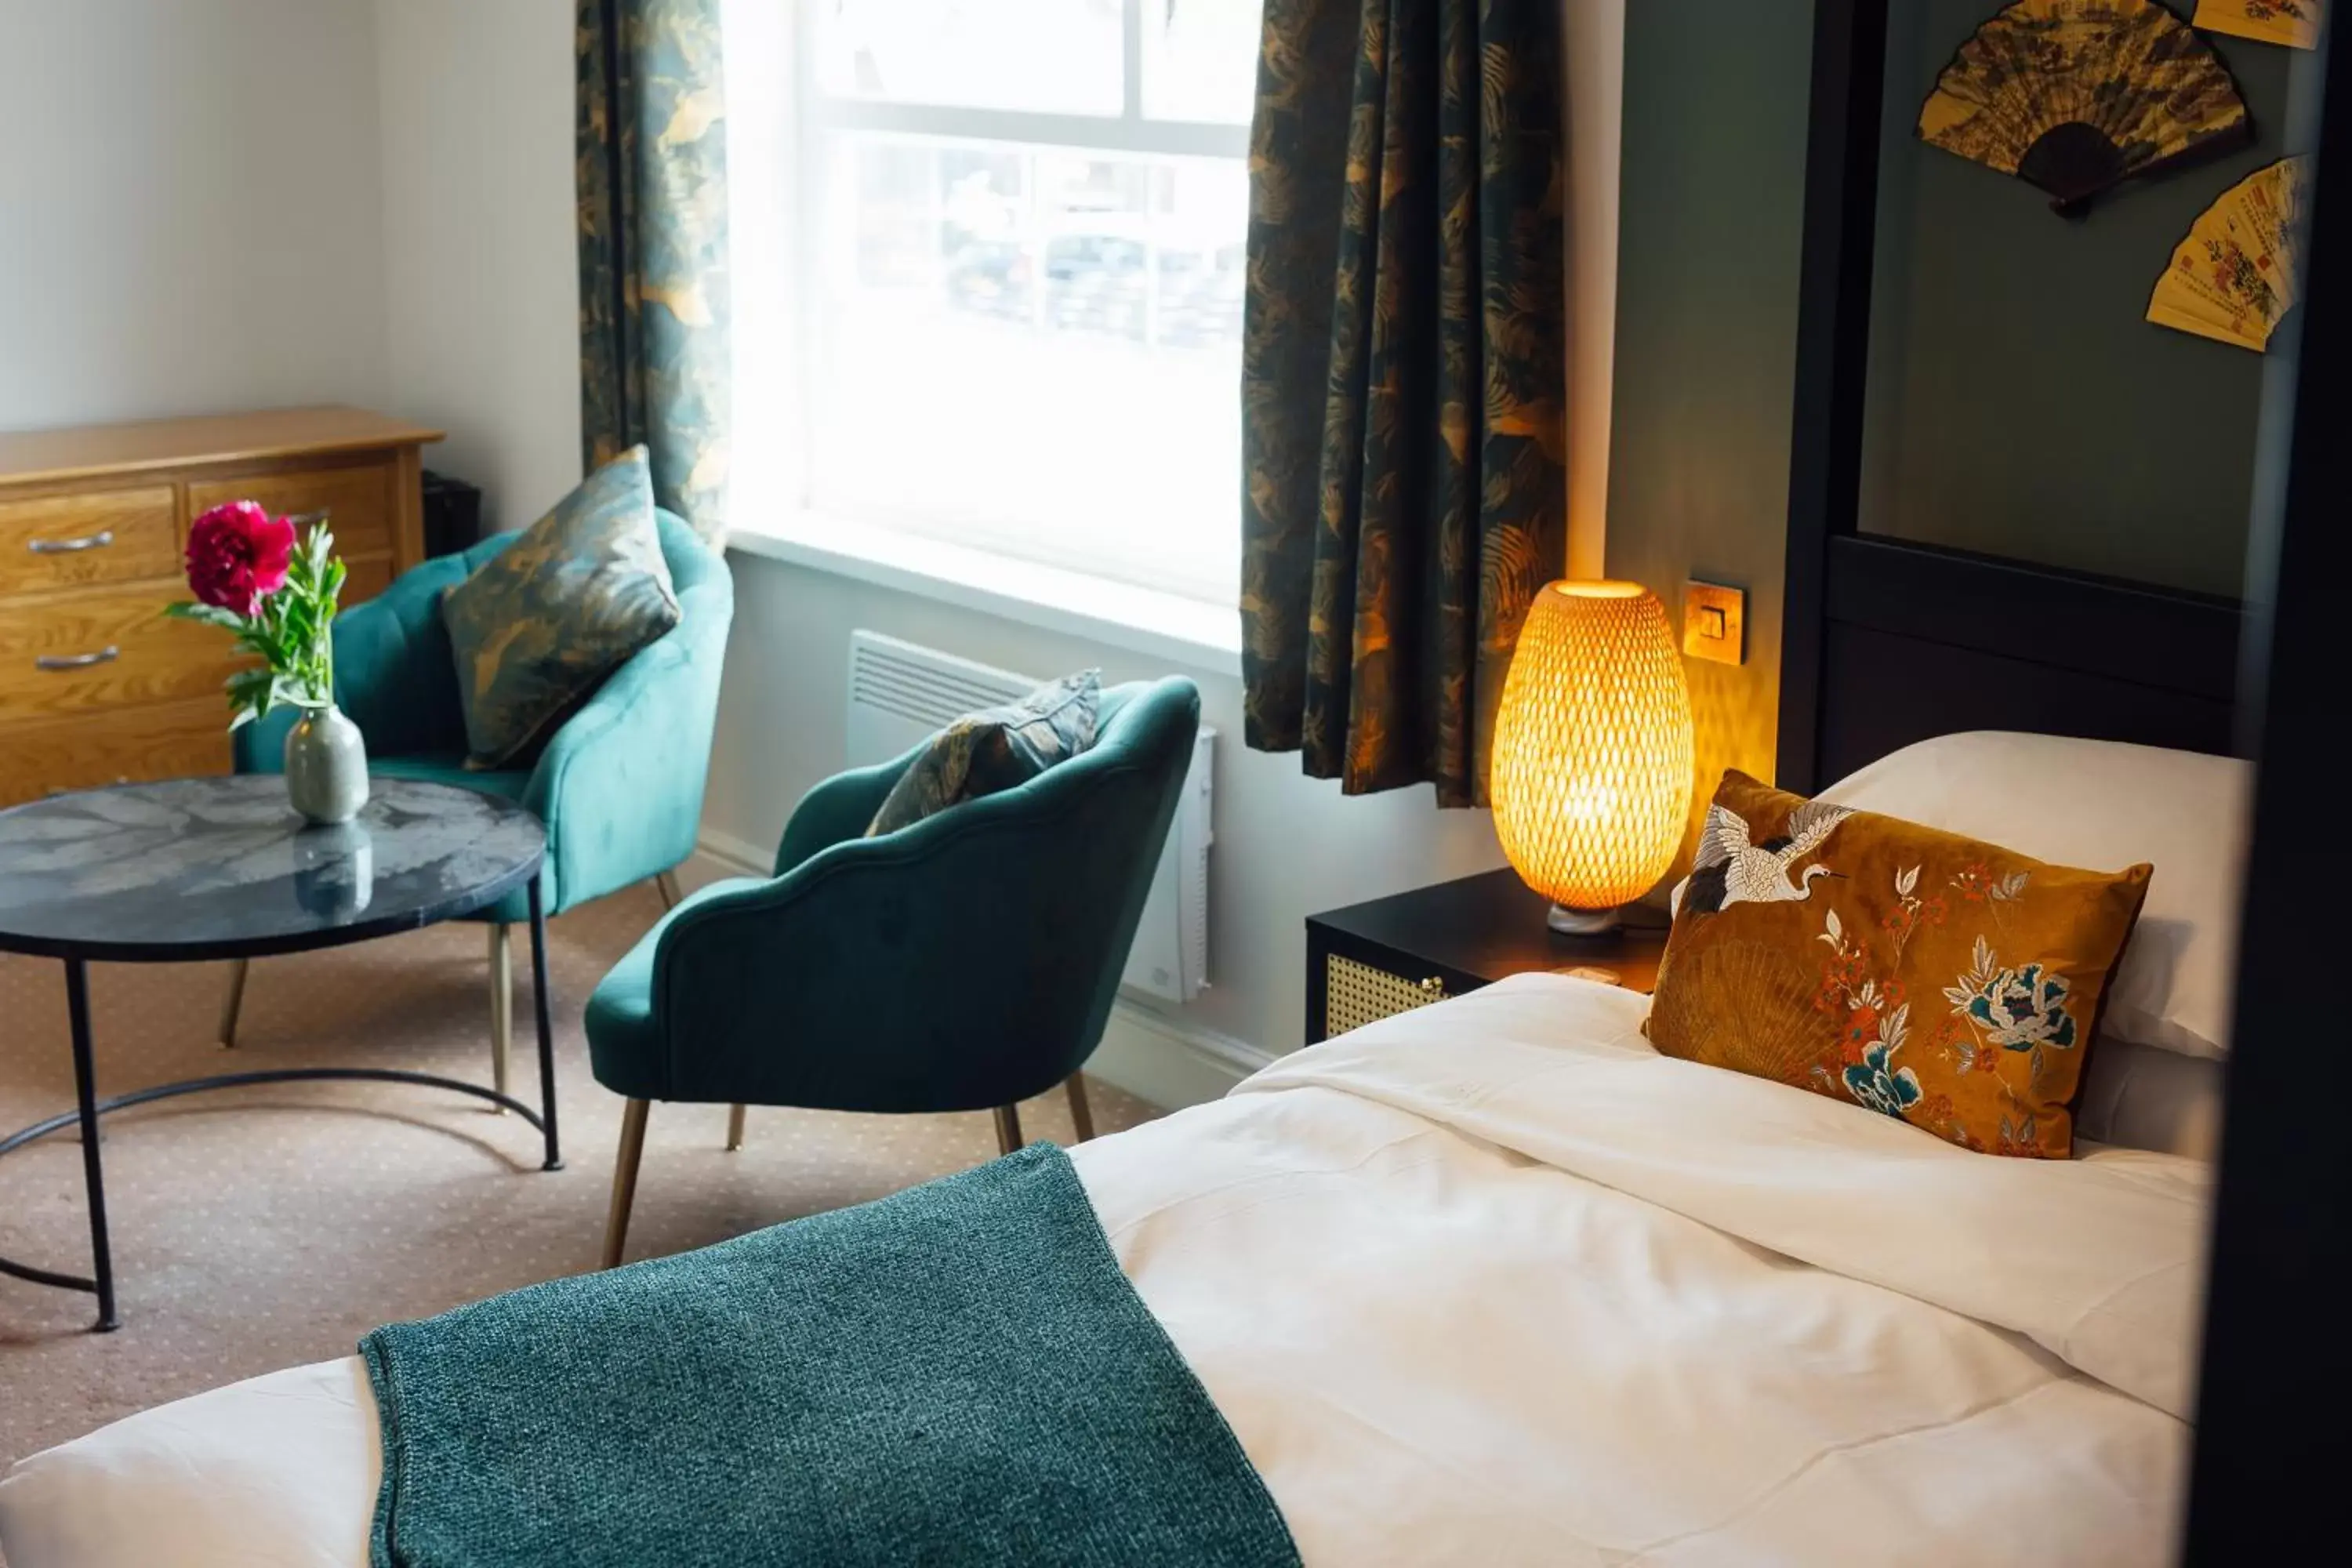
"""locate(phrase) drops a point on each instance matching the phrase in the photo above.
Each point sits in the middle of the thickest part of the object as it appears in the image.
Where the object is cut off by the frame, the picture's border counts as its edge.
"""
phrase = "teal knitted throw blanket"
(957, 1374)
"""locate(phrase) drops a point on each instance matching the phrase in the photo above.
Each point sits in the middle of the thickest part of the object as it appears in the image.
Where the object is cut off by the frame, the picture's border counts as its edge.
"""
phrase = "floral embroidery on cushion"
(2019, 1138)
(1889, 1092)
(2019, 1009)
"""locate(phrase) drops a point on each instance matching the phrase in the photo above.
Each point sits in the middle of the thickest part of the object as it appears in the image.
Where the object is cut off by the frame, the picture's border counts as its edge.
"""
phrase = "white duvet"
(1492, 1282)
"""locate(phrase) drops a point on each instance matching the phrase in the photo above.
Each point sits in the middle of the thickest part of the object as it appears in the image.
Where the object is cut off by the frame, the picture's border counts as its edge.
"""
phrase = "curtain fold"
(1405, 380)
(655, 363)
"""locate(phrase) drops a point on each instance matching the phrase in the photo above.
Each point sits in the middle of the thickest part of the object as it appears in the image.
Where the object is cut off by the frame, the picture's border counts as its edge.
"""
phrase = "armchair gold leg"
(501, 1004)
(665, 883)
(624, 1180)
(1008, 1129)
(1082, 1115)
(734, 1128)
(232, 1004)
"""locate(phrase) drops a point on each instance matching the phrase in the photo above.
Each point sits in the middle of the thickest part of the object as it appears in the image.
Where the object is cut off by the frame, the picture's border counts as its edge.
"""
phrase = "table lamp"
(1590, 778)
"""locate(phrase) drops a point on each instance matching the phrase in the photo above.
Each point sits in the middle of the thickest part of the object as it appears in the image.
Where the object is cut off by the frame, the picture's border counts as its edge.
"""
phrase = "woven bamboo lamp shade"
(1592, 773)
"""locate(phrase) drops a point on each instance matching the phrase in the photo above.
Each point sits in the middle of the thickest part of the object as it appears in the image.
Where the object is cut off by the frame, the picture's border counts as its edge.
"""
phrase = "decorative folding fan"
(2076, 96)
(2294, 22)
(2237, 272)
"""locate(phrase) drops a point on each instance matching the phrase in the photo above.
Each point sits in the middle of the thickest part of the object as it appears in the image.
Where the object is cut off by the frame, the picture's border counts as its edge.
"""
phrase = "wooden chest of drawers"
(95, 685)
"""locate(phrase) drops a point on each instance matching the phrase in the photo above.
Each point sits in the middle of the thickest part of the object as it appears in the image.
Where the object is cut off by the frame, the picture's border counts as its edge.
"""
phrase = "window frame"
(815, 115)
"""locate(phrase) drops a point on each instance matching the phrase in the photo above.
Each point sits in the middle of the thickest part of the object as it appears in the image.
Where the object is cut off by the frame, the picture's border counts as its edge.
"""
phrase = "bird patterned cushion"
(994, 750)
(539, 626)
(1942, 981)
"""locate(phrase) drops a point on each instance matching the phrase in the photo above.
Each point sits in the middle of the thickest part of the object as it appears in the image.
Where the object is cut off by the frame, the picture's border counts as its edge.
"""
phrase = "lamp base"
(1582, 922)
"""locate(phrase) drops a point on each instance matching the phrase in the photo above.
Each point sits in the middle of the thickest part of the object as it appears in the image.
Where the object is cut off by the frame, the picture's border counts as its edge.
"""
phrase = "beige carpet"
(259, 1228)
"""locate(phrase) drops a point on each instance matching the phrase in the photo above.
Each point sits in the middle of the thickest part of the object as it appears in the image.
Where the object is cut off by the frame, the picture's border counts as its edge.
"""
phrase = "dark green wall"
(1709, 229)
(2020, 404)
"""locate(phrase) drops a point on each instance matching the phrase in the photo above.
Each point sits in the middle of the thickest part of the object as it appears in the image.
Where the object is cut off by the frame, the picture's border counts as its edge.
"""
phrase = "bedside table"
(1369, 960)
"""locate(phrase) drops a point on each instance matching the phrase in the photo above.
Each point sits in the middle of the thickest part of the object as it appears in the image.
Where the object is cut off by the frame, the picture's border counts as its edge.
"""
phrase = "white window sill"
(1142, 620)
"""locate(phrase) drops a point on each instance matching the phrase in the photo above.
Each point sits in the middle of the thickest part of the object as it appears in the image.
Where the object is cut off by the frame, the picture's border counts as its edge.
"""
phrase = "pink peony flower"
(237, 555)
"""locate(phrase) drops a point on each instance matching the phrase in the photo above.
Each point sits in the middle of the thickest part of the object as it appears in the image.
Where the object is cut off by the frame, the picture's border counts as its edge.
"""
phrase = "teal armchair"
(963, 964)
(619, 786)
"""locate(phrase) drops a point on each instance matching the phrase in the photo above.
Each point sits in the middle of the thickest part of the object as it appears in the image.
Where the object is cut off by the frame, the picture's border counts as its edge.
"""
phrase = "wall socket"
(1715, 621)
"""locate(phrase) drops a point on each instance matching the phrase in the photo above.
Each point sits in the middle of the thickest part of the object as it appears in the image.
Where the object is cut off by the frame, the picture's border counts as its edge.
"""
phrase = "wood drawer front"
(364, 580)
(359, 501)
(95, 536)
(126, 747)
(55, 660)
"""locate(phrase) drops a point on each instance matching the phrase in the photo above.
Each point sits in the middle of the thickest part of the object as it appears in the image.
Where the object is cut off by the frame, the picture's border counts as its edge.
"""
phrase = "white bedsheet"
(1492, 1282)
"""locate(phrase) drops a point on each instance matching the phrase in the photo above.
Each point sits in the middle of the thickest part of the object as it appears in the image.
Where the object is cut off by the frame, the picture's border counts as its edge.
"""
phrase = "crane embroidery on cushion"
(1732, 868)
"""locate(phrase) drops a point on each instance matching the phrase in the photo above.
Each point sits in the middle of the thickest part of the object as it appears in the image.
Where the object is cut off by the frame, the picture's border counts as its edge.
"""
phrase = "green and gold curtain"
(1403, 380)
(652, 147)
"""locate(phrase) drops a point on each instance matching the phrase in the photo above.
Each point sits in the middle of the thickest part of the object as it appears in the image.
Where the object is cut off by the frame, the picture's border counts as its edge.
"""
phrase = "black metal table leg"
(93, 1172)
(538, 1003)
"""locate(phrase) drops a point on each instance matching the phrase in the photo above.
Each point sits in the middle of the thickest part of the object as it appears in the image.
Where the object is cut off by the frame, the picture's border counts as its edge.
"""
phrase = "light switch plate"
(1715, 621)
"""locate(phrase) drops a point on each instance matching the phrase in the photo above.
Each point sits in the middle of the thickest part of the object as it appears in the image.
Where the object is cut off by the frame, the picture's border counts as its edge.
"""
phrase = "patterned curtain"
(652, 148)
(1403, 380)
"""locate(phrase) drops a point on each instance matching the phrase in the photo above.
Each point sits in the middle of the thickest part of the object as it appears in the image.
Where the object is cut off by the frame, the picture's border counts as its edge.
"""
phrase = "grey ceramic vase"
(326, 766)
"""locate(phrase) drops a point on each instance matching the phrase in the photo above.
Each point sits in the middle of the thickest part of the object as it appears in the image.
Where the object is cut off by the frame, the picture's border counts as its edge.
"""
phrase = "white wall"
(190, 218)
(480, 256)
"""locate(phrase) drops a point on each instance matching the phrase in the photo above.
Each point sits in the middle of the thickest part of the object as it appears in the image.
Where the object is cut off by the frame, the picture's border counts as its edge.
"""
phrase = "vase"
(326, 766)
(334, 870)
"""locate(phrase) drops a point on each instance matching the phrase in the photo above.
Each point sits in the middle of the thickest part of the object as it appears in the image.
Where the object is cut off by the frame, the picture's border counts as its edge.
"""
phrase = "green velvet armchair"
(963, 964)
(619, 785)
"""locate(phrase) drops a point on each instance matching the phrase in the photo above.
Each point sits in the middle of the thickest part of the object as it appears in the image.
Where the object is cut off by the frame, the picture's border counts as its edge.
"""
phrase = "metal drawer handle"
(106, 655)
(98, 540)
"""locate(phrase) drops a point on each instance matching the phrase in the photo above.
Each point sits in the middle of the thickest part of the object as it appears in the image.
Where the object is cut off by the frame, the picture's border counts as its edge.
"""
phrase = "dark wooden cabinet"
(1371, 960)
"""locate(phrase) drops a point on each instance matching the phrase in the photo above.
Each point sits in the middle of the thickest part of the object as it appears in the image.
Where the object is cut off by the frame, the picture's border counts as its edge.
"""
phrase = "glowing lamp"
(1591, 777)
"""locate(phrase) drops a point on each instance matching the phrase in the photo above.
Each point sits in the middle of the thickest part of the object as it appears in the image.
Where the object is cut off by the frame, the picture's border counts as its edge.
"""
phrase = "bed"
(1496, 1281)
(1493, 1281)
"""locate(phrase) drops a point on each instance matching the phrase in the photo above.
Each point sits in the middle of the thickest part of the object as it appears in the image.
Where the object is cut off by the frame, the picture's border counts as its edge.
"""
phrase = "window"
(1022, 225)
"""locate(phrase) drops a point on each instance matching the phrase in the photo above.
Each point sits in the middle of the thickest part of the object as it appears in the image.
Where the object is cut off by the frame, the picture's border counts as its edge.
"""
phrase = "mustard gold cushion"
(538, 628)
(1943, 982)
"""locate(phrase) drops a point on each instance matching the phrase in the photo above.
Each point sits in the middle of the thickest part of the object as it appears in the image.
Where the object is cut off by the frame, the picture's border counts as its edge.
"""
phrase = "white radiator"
(900, 692)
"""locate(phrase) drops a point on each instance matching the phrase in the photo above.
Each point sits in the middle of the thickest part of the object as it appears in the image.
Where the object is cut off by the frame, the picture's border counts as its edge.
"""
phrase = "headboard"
(1885, 641)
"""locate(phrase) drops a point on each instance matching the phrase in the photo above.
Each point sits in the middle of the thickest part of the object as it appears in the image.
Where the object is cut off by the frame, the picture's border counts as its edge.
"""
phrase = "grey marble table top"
(223, 867)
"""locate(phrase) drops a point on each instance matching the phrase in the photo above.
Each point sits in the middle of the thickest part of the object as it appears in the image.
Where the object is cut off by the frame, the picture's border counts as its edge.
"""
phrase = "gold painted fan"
(2238, 271)
(2076, 96)
(2292, 22)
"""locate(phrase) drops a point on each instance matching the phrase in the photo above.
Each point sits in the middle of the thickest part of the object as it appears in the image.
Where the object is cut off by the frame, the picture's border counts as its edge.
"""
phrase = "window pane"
(1043, 56)
(1199, 59)
(1034, 351)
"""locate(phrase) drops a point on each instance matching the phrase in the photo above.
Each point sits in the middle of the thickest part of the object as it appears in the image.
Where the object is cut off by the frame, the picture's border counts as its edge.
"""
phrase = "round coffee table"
(194, 870)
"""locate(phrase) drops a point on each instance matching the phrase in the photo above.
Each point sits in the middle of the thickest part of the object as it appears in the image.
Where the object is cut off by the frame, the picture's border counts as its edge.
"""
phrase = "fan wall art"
(2238, 271)
(2077, 96)
(2291, 21)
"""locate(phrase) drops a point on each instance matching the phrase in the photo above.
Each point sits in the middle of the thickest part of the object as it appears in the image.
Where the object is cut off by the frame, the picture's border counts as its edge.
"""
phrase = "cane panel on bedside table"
(1357, 994)
(1372, 960)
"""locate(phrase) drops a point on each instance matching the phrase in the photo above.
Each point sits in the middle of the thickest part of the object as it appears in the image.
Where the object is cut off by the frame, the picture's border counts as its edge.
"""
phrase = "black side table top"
(223, 867)
(1486, 928)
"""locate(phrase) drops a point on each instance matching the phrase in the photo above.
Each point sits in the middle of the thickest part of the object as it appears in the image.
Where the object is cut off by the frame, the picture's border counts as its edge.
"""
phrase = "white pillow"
(2139, 1097)
(2102, 805)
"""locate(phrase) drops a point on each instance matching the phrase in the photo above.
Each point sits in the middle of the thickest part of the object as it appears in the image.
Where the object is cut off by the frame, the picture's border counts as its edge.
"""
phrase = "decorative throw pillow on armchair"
(540, 624)
(994, 750)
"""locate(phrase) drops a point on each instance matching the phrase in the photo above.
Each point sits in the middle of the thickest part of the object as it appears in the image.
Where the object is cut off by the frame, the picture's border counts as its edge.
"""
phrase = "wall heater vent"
(901, 691)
